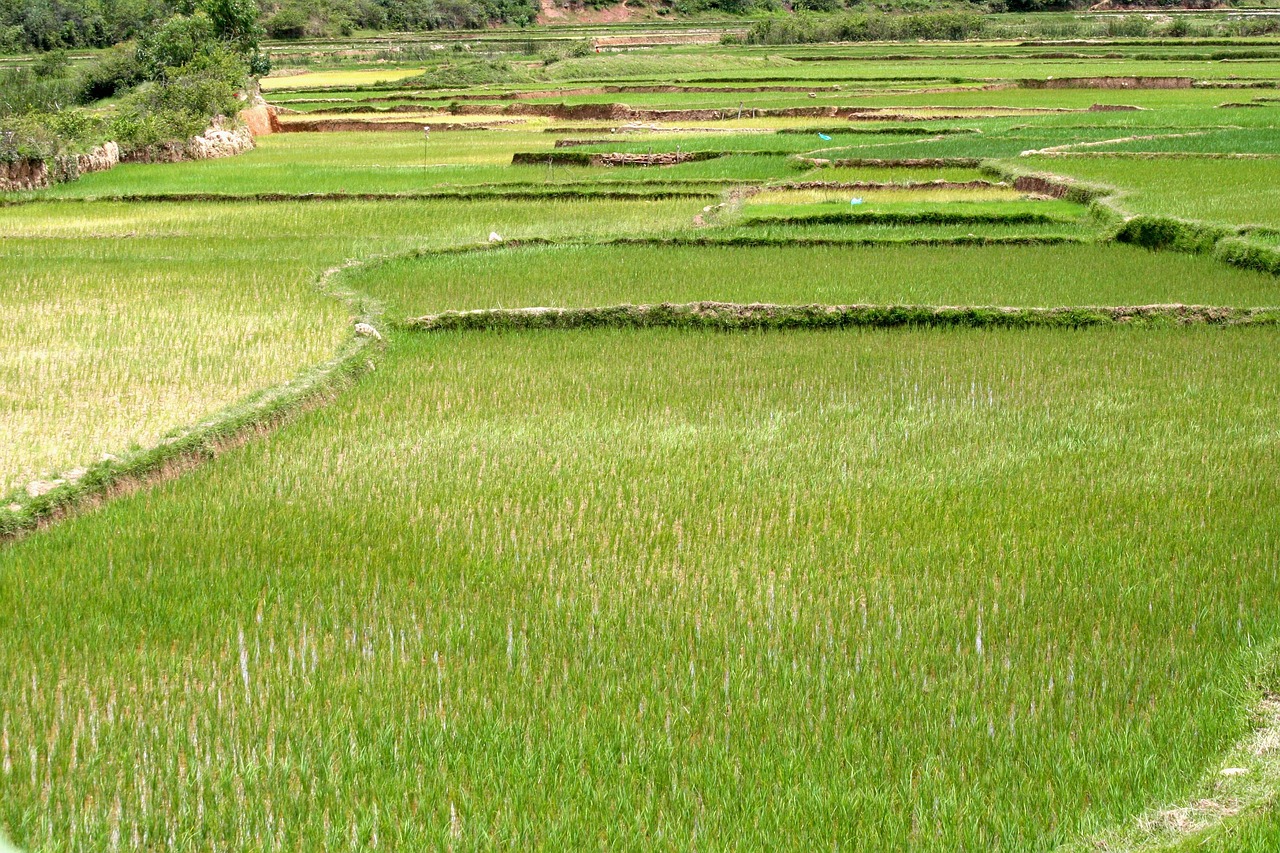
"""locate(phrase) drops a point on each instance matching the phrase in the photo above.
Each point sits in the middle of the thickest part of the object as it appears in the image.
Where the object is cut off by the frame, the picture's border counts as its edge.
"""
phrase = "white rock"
(36, 488)
(495, 237)
(1236, 771)
(15, 507)
(365, 330)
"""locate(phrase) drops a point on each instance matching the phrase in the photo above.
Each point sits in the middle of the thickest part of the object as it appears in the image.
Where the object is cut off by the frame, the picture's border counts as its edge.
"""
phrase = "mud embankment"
(613, 158)
(1108, 83)
(338, 125)
(29, 174)
(34, 174)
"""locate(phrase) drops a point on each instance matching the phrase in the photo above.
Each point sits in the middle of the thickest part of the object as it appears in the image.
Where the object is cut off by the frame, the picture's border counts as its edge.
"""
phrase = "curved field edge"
(26, 509)
(1230, 244)
(1232, 806)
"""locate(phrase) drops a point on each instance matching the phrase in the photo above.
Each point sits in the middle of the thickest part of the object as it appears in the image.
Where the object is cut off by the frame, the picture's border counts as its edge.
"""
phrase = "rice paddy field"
(546, 552)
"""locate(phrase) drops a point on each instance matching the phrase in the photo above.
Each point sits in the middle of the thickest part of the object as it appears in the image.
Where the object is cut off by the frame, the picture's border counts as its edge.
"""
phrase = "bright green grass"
(1014, 69)
(608, 589)
(1041, 211)
(587, 276)
(111, 343)
(876, 196)
(879, 231)
(1245, 141)
(566, 590)
(129, 320)
(885, 174)
(337, 79)
(394, 163)
(1255, 832)
(1007, 143)
(1231, 192)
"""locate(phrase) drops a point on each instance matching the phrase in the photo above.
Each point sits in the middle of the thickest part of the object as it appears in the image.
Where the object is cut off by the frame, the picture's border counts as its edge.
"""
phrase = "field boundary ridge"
(43, 502)
(734, 316)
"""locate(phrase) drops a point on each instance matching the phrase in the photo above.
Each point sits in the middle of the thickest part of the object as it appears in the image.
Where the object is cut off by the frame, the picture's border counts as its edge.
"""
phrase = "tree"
(235, 22)
(177, 42)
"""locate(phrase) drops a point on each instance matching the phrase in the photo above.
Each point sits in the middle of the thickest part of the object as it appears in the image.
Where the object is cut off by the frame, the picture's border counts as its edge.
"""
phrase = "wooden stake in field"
(426, 146)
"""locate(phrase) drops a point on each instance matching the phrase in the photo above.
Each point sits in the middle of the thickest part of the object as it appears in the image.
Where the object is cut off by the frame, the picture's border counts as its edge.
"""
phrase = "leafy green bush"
(24, 138)
(183, 102)
(115, 71)
(806, 28)
(288, 23)
(817, 5)
(174, 44)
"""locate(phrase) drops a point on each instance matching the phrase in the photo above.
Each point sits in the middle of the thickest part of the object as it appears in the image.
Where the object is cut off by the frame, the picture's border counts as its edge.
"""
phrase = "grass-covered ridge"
(599, 275)
(150, 317)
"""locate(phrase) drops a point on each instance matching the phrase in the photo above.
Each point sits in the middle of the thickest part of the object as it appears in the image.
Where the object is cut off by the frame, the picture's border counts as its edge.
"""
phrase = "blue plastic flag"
(824, 136)
(855, 201)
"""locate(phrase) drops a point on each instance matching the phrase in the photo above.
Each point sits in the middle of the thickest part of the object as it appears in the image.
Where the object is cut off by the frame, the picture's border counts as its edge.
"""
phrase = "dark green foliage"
(1241, 252)
(51, 24)
(289, 23)
(1165, 232)
(194, 65)
(24, 91)
(115, 71)
(440, 14)
(817, 5)
(213, 26)
(36, 119)
(235, 22)
(180, 104)
(174, 44)
(803, 29)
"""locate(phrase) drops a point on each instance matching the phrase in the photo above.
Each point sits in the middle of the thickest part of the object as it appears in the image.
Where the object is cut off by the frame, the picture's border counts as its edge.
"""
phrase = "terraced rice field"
(605, 534)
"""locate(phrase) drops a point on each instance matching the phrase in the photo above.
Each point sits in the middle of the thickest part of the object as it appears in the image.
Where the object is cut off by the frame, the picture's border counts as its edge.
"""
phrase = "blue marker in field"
(855, 201)
(824, 136)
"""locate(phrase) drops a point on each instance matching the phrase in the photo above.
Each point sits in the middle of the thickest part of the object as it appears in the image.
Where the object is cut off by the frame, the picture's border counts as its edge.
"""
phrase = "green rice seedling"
(1228, 192)
(1254, 141)
(135, 319)
(806, 589)
(337, 79)
(590, 275)
(389, 163)
(916, 194)
(909, 588)
(916, 213)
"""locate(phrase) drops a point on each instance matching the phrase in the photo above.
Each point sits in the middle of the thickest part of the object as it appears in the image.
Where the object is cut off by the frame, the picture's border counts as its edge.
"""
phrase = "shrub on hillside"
(174, 44)
(289, 23)
(458, 75)
(183, 102)
(114, 72)
(806, 28)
